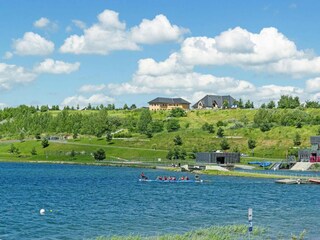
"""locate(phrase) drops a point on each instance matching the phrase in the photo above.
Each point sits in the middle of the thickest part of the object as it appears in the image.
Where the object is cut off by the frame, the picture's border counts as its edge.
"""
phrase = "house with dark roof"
(161, 103)
(215, 101)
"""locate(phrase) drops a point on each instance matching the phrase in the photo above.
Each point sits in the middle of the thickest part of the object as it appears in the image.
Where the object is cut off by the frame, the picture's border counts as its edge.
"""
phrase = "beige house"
(168, 104)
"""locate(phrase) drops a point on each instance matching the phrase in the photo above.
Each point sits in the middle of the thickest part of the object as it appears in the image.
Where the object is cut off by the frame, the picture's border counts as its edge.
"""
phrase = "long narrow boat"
(171, 181)
(314, 180)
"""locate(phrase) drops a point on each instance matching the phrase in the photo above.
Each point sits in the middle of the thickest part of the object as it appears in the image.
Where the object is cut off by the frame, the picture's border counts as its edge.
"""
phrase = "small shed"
(218, 157)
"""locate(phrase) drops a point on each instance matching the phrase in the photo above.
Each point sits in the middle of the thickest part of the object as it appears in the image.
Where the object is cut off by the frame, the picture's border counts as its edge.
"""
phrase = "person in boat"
(142, 176)
(186, 178)
(197, 177)
(182, 178)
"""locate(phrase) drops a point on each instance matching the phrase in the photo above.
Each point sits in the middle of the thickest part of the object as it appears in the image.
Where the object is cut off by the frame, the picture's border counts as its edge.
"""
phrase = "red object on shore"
(315, 181)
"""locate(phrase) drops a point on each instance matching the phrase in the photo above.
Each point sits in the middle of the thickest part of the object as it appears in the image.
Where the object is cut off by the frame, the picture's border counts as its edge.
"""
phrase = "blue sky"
(59, 52)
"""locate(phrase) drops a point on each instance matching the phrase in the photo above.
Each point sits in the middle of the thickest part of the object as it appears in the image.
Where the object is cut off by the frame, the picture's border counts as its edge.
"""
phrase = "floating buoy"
(42, 211)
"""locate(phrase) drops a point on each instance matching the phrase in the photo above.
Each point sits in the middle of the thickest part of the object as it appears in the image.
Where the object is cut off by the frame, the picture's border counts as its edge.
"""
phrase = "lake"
(84, 202)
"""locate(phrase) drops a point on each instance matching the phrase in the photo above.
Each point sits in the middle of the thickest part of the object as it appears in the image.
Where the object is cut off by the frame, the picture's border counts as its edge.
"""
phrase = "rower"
(142, 176)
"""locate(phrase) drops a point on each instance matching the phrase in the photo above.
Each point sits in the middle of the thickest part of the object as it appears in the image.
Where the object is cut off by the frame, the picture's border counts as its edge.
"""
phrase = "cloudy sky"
(59, 52)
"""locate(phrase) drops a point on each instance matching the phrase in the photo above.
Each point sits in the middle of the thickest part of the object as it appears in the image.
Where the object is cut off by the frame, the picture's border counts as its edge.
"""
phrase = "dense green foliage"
(273, 130)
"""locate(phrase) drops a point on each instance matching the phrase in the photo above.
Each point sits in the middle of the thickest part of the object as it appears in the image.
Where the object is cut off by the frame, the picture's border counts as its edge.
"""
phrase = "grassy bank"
(231, 232)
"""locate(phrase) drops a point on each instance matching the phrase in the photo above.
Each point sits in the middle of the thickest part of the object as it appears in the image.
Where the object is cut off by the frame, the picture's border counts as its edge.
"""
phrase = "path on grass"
(108, 146)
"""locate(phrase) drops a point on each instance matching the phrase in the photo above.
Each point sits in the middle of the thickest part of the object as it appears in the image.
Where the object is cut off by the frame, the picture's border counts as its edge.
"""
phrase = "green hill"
(129, 143)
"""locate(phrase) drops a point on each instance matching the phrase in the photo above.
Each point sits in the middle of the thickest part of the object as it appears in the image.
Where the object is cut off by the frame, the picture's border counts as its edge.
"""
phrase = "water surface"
(84, 202)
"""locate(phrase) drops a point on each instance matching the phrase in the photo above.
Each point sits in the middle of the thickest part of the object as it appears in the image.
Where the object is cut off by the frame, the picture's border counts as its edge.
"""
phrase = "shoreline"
(166, 168)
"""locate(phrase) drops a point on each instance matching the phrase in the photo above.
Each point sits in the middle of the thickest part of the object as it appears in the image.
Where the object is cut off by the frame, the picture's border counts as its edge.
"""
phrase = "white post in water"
(250, 221)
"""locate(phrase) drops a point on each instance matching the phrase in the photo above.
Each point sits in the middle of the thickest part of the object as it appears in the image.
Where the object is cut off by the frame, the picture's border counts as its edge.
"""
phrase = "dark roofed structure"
(169, 100)
(161, 103)
(215, 101)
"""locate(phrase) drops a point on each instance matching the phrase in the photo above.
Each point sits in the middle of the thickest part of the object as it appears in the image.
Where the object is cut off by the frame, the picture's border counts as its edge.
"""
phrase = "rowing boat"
(171, 181)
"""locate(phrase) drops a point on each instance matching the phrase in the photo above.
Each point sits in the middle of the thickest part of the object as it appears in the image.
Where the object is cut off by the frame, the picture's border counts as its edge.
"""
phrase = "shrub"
(99, 155)
(177, 112)
(172, 125)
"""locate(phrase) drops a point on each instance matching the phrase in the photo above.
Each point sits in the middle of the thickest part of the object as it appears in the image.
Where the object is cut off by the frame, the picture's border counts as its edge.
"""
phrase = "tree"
(72, 154)
(45, 143)
(271, 105)
(44, 108)
(156, 126)
(108, 136)
(176, 153)
(224, 144)
(220, 123)
(263, 105)
(208, 127)
(248, 104)
(33, 151)
(177, 112)
(220, 132)
(297, 140)
(172, 125)
(37, 136)
(13, 149)
(312, 104)
(177, 140)
(170, 154)
(264, 127)
(125, 107)
(133, 106)
(225, 104)
(287, 101)
(99, 155)
(251, 145)
(240, 103)
(144, 120)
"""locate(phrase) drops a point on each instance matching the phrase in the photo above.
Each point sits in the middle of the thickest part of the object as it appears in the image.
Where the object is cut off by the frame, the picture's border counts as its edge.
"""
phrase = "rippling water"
(84, 202)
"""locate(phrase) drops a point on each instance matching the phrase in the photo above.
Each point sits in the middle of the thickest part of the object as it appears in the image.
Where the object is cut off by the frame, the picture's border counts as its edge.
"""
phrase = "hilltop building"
(214, 102)
(312, 154)
(161, 103)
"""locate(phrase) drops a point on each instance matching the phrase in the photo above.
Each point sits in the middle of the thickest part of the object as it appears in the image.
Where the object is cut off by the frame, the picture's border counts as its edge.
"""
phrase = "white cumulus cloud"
(313, 85)
(33, 44)
(95, 99)
(101, 38)
(8, 55)
(41, 23)
(110, 34)
(157, 30)
(92, 88)
(79, 24)
(56, 67)
(11, 75)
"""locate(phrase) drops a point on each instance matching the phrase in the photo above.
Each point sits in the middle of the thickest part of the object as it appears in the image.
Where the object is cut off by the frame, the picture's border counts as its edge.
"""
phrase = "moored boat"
(314, 180)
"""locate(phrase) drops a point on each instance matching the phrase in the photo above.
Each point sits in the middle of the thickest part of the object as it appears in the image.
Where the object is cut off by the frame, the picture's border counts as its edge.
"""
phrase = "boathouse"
(312, 154)
(217, 157)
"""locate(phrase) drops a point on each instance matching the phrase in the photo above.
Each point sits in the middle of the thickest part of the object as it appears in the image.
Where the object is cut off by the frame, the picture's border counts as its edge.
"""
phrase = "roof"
(208, 101)
(169, 100)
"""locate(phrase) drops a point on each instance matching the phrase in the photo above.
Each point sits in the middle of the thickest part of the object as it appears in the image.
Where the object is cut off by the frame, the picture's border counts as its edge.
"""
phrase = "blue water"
(83, 202)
